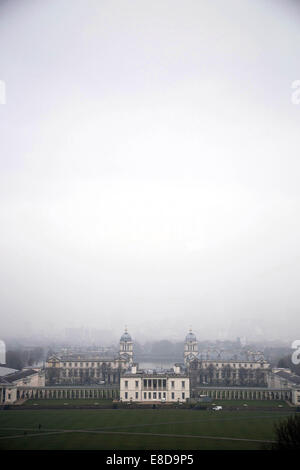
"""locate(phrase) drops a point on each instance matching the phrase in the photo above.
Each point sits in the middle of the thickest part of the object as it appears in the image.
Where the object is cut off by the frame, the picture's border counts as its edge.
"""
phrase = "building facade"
(86, 369)
(100, 375)
(222, 372)
(27, 378)
(145, 387)
(228, 373)
(283, 378)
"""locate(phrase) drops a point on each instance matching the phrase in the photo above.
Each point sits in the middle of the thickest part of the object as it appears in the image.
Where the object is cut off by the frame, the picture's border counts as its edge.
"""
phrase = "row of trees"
(286, 362)
(20, 358)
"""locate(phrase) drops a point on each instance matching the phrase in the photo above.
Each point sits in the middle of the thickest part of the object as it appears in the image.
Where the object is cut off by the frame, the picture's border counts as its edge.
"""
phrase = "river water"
(156, 365)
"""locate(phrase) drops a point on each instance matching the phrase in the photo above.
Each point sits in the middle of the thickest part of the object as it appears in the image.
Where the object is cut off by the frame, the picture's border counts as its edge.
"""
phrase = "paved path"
(85, 431)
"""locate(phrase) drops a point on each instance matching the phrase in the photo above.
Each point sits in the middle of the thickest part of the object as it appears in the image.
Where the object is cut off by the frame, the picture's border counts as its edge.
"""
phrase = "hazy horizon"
(150, 168)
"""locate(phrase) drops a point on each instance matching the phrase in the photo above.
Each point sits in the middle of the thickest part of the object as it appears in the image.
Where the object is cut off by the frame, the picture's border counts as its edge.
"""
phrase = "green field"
(275, 404)
(136, 429)
(65, 403)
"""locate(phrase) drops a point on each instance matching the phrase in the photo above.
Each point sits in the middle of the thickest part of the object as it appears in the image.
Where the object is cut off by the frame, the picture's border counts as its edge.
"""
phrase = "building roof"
(82, 358)
(6, 371)
(154, 374)
(21, 374)
(190, 336)
(125, 336)
(228, 361)
(289, 376)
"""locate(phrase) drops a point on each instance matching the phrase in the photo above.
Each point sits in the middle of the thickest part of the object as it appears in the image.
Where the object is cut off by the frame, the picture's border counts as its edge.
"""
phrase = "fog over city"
(150, 168)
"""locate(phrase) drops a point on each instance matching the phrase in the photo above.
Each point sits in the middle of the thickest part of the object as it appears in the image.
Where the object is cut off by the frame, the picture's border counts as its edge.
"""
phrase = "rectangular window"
(126, 395)
(159, 395)
(136, 384)
(145, 383)
(164, 394)
(172, 384)
(154, 395)
(183, 395)
(145, 395)
(183, 384)
(173, 395)
(136, 395)
(149, 395)
(126, 383)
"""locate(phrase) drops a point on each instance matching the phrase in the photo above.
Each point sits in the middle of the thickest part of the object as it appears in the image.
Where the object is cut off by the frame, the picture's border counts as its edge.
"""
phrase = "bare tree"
(287, 434)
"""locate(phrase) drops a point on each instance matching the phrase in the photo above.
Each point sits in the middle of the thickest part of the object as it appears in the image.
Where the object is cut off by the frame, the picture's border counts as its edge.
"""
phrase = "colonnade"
(70, 393)
(243, 393)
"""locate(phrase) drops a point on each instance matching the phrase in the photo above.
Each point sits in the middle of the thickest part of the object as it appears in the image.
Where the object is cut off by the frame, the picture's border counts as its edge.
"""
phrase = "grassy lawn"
(133, 429)
(64, 403)
(276, 404)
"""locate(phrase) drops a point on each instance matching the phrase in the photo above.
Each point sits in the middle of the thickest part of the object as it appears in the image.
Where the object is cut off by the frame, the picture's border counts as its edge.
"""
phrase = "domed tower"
(190, 347)
(126, 347)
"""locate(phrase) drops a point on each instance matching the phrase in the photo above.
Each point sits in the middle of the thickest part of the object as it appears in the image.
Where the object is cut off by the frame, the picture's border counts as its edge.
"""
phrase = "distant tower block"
(190, 347)
(126, 346)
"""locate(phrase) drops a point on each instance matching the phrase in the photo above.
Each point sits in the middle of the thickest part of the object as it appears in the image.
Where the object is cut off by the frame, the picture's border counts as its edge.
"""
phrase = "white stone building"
(24, 378)
(142, 386)
(285, 378)
(296, 396)
(90, 368)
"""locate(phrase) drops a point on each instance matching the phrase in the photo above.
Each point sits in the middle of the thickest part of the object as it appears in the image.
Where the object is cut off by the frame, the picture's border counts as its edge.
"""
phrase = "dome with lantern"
(190, 336)
(126, 336)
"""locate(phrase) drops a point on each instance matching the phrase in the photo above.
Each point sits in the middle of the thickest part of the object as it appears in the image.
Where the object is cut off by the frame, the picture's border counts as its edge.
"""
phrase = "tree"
(242, 376)
(15, 360)
(286, 362)
(287, 434)
(260, 378)
(227, 372)
(52, 375)
(211, 373)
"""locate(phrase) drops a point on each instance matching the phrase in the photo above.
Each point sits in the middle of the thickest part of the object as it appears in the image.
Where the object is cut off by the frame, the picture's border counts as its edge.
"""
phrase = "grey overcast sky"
(150, 167)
